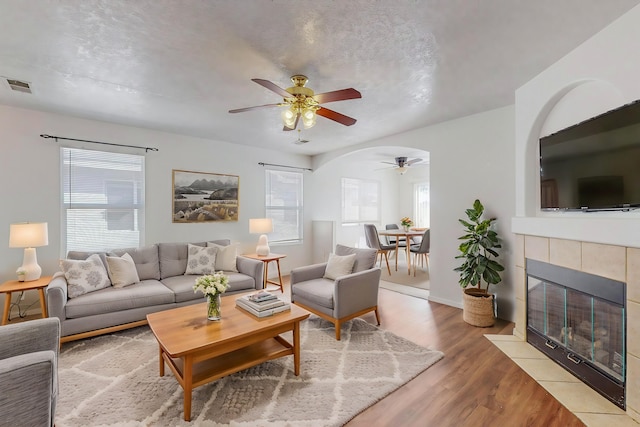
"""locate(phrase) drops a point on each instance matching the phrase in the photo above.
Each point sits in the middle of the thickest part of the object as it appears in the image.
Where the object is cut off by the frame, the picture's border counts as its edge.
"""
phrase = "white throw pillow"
(84, 276)
(226, 256)
(200, 260)
(122, 271)
(339, 266)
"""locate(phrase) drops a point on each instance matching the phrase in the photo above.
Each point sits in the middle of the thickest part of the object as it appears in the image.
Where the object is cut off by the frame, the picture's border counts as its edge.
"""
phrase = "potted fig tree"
(479, 269)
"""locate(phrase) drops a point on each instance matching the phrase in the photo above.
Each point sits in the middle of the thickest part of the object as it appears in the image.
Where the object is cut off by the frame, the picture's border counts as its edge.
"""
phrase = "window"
(421, 204)
(102, 200)
(284, 205)
(360, 201)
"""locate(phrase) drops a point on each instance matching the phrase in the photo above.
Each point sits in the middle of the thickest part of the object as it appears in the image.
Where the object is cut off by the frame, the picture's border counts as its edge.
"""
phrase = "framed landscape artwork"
(204, 197)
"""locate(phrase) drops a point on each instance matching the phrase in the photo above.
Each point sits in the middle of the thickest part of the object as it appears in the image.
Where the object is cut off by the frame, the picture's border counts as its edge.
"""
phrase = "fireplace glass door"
(587, 326)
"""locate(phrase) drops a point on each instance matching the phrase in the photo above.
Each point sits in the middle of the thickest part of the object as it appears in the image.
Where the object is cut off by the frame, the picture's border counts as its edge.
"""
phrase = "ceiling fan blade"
(410, 162)
(295, 125)
(272, 87)
(240, 110)
(335, 116)
(390, 163)
(337, 95)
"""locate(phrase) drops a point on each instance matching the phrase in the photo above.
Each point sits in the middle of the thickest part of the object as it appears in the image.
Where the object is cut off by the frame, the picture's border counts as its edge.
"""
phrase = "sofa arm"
(28, 337)
(57, 296)
(356, 291)
(308, 272)
(29, 389)
(251, 267)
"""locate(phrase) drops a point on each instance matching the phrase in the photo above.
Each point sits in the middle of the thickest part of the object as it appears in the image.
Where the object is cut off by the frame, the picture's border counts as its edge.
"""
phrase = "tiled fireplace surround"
(611, 261)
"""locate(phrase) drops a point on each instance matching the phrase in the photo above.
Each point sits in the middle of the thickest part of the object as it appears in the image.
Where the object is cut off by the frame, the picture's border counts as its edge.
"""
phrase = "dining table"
(407, 234)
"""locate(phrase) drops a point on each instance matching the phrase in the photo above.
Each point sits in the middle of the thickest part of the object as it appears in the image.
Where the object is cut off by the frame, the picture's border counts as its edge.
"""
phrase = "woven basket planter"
(477, 308)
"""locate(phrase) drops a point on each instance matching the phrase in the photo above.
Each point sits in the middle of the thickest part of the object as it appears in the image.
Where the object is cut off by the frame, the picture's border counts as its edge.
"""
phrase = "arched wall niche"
(574, 103)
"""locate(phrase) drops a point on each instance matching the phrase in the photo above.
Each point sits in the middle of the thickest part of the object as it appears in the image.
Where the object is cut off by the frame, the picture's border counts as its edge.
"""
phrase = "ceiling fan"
(402, 164)
(303, 103)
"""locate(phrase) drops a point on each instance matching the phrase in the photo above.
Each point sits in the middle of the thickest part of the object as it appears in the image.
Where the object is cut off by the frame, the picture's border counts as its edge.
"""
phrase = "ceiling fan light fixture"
(401, 170)
(308, 118)
(289, 118)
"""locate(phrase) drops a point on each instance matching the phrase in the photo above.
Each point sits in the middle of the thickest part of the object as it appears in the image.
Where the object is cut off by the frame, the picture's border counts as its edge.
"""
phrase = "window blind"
(102, 200)
(284, 205)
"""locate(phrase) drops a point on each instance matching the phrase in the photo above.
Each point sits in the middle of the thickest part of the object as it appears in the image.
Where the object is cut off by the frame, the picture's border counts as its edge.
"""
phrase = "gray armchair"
(341, 299)
(29, 372)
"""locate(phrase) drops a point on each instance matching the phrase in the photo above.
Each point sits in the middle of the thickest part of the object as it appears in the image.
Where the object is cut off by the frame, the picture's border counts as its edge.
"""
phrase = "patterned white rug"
(113, 380)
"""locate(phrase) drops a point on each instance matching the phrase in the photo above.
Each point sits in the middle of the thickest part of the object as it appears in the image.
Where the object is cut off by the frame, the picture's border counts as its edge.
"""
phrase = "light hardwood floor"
(475, 384)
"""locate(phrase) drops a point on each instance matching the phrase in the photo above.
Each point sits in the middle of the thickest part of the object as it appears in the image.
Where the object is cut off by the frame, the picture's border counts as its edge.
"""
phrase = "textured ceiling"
(179, 66)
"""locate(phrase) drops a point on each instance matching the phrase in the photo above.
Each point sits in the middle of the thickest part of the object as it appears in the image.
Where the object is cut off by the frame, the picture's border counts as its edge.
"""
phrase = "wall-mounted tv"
(594, 165)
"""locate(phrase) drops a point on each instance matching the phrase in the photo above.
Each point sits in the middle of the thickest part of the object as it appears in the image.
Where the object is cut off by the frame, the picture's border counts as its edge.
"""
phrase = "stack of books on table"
(262, 304)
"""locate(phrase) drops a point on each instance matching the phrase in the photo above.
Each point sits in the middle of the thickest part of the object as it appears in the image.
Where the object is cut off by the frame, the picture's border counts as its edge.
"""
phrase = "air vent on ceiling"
(19, 85)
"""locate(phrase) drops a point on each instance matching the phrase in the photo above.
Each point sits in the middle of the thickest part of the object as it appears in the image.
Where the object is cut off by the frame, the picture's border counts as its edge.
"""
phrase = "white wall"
(29, 171)
(598, 76)
(469, 159)
(326, 195)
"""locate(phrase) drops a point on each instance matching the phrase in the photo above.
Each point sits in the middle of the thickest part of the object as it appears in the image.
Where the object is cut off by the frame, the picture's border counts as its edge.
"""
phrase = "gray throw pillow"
(201, 260)
(84, 276)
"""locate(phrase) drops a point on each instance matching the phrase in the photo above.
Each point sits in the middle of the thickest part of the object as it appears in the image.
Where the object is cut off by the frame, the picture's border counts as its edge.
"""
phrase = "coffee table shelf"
(229, 363)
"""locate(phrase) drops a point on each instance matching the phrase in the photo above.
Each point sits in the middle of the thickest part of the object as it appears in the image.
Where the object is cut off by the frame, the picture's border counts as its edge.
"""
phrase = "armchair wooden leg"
(377, 316)
(338, 328)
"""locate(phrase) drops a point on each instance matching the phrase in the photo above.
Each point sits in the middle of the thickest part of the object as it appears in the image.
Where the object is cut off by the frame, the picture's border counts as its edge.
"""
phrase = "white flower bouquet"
(212, 285)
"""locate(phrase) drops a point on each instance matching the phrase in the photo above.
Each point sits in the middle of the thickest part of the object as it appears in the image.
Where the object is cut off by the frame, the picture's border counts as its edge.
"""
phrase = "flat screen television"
(594, 165)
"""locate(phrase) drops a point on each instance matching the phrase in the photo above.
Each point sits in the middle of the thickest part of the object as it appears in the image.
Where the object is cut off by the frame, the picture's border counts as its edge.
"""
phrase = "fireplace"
(578, 320)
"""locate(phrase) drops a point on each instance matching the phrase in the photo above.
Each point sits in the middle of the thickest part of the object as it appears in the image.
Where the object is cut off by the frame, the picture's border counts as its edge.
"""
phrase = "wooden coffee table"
(199, 351)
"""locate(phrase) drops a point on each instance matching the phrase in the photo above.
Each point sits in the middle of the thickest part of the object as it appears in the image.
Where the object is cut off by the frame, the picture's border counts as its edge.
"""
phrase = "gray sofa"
(163, 285)
(29, 372)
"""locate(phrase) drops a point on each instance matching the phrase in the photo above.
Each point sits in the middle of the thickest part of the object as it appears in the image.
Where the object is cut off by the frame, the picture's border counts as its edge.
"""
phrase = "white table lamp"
(29, 235)
(261, 226)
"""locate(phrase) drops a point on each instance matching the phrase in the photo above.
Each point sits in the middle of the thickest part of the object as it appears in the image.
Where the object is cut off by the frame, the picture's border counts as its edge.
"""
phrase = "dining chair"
(373, 241)
(421, 251)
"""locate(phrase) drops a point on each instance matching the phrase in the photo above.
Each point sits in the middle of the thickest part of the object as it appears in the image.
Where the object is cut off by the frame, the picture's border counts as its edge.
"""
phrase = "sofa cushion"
(226, 256)
(339, 265)
(84, 276)
(122, 271)
(317, 291)
(200, 260)
(182, 286)
(365, 257)
(145, 258)
(109, 300)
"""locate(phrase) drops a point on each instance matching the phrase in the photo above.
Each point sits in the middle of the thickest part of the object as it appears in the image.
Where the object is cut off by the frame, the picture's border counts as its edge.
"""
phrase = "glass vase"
(213, 308)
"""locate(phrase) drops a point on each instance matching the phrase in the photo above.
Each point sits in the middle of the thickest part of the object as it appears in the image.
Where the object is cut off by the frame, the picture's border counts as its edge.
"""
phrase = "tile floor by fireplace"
(591, 408)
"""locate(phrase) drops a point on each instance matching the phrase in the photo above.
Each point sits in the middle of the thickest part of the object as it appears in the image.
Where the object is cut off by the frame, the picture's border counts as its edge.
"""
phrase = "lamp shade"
(28, 235)
(260, 225)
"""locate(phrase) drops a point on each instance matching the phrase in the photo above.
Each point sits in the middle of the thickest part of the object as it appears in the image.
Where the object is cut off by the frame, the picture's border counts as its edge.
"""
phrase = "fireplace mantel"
(613, 228)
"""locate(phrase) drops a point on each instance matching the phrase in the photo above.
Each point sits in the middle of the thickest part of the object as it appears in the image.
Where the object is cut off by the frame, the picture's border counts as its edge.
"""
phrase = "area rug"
(401, 277)
(112, 380)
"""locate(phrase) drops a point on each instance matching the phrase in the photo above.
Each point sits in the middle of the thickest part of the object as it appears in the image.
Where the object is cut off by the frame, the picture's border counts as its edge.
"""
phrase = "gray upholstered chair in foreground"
(29, 372)
(344, 297)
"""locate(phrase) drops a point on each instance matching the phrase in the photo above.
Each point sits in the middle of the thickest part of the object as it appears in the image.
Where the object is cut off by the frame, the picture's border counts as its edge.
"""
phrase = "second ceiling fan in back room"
(302, 102)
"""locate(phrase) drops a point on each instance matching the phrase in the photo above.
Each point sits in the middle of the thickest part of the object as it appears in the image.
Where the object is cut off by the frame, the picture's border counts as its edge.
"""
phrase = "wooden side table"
(16, 286)
(266, 260)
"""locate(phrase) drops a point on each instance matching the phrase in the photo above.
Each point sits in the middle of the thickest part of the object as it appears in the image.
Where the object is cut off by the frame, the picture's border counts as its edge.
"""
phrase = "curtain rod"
(45, 136)
(285, 166)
